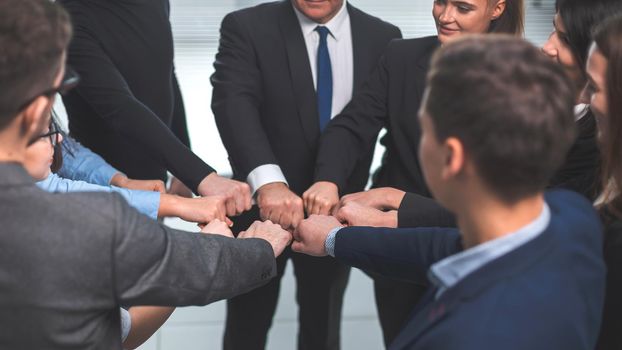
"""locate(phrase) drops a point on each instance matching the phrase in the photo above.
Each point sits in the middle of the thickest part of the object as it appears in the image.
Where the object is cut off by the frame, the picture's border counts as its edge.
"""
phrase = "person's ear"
(454, 161)
(35, 117)
(498, 9)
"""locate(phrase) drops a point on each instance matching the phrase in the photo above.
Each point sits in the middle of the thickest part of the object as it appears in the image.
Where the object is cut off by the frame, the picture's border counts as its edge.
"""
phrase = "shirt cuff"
(329, 244)
(265, 174)
(126, 324)
(107, 172)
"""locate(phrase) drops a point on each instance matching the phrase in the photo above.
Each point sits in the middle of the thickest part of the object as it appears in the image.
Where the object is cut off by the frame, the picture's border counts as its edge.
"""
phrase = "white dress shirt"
(580, 111)
(342, 65)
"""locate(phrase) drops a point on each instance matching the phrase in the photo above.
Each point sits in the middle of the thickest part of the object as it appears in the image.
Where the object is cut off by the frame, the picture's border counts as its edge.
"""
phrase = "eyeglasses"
(70, 81)
(53, 134)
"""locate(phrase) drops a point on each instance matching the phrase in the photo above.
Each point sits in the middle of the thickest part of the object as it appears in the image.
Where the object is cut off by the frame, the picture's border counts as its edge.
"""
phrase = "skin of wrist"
(118, 180)
(396, 197)
(168, 205)
(390, 218)
(202, 188)
(271, 185)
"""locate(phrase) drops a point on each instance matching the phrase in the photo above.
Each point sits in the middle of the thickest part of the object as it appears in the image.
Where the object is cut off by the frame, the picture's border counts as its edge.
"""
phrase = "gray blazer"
(68, 261)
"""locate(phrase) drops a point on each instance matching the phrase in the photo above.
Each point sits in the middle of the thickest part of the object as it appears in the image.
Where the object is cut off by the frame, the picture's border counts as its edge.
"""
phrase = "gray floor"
(195, 26)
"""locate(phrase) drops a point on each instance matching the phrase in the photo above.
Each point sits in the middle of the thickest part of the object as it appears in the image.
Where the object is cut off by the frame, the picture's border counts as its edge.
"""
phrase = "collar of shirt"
(451, 270)
(580, 111)
(335, 25)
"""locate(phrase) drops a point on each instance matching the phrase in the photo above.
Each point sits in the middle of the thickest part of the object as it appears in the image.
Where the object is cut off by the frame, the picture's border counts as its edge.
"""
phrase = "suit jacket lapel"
(511, 264)
(300, 72)
(423, 317)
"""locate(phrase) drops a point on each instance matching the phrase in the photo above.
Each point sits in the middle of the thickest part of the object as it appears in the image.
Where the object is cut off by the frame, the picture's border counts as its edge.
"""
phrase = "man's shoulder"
(373, 22)
(259, 12)
(415, 47)
(91, 207)
(572, 213)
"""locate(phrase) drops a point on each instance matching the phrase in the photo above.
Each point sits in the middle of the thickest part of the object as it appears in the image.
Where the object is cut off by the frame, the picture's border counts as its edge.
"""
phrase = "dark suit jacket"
(264, 100)
(390, 98)
(580, 171)
(67, 261)
(611, 335)
(546, 294)
(128, 106)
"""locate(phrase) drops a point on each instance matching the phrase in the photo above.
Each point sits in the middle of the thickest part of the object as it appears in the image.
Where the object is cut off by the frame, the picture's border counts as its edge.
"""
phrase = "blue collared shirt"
(146, 202)
(329, 243)
(451, 270)
(84, 165)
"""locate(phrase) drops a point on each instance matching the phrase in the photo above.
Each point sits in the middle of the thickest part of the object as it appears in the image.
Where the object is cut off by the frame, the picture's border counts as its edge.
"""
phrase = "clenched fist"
(279, 204)
(273, 233)
(321, 198)
(237, 194)
(310, 236)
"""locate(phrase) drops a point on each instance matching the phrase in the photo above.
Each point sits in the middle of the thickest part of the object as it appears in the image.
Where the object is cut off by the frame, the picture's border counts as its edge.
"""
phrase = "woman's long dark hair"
(608, 39)
(580, 17)
(512, 21)
(57, 160)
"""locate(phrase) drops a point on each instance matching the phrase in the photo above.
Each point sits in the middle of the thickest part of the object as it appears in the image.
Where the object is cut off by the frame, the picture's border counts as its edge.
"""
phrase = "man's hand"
(217, 227)
(383, 198)
(273, 233)
(178, 188)
(355, 214)
(237, 194)
(310, 236)
(121, 180)
(280, 205)
(200, 209)
(321, 198)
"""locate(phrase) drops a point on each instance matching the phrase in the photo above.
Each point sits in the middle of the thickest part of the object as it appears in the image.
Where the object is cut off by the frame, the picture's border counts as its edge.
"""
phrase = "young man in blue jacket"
(524, 270)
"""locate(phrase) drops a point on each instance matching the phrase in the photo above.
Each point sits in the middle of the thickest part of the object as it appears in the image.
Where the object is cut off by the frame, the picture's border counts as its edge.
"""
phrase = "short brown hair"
(33, 36)
(510, 106)
(608, 39)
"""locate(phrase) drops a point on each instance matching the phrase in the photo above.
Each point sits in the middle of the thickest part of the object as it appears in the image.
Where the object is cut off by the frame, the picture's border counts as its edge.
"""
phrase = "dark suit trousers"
(321, 283)
(395, 301)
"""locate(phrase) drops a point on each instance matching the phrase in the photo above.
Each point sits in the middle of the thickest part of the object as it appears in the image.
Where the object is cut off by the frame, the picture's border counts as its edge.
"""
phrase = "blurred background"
(196, 31)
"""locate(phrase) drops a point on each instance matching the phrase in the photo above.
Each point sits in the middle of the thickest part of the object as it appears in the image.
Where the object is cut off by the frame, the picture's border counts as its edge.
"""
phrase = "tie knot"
(323, 31)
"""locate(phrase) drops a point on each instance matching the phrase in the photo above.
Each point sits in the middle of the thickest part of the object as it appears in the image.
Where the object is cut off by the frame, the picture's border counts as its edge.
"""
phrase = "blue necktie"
(324, 79)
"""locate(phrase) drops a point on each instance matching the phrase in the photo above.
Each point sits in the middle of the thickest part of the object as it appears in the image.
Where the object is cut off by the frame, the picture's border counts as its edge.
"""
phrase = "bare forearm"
(169, 205)
(146, 320)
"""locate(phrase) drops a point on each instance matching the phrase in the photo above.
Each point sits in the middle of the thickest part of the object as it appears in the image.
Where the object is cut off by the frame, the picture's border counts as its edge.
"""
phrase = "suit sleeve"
(156, 265)
(237, 97)
(405, 254)
(419, 211)
(349, 136)
(106, 91)
(179, 126)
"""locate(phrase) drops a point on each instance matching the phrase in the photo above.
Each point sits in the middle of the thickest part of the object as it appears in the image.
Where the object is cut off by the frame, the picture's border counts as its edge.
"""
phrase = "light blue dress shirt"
(451, 270)
(146, 202)
(85, 171)
(84, 165)
(329, 243)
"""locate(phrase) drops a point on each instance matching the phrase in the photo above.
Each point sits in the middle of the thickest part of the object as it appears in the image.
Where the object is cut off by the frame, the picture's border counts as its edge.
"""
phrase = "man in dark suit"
(69, 261)
(282, 71)
(525, 269)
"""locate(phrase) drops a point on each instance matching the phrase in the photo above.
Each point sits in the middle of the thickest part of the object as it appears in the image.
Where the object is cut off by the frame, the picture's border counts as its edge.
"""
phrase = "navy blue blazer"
(547, 294)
